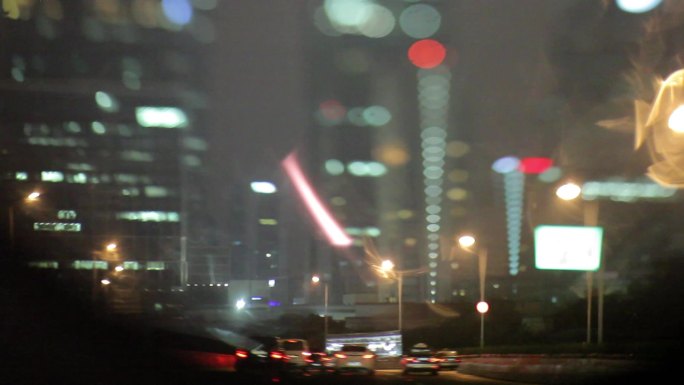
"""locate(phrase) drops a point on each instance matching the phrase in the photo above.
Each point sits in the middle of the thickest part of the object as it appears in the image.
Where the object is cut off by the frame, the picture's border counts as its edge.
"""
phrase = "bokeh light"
(334, 167)
(676, 120)
(506, 164)
(331, 112)
(355, 17)
(552, 174)
(457, 149)
(535, 165)
(637, 6)
(177, 11)
(420, 21)
(392, 154)
(427, 53)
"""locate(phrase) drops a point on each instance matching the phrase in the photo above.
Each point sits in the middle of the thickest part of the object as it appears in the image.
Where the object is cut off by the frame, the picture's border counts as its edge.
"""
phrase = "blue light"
(177, 11)
(506, 164)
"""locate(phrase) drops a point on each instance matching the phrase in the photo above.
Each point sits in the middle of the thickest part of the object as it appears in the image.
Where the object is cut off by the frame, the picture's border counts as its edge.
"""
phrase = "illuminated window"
(161, 117)
(192, 161)
(195, 144)
(66, 214)
(106, 101)
(51, 176)
(268, 221)
(126, 178)
(156, 265)
(156, 191)
(131, 265)
(80, 166)
(149, 216)
(137, 156)
(89, 265)
(44, 264)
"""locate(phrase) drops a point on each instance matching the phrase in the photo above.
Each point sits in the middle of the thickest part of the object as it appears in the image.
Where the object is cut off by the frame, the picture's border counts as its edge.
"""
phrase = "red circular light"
(427, 53)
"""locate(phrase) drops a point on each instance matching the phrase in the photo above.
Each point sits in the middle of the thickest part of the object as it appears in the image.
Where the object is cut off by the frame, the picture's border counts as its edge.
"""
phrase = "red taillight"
(434, 360)
(207, 360)
(241, 353)
(340, 355)
(306, 354)
(277, 355)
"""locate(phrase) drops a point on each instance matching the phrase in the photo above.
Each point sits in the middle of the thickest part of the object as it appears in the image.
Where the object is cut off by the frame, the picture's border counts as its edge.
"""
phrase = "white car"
(354, 358)
(295, 351)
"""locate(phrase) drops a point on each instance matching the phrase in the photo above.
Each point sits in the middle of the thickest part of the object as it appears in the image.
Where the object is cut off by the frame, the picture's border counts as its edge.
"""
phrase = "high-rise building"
(103, 112)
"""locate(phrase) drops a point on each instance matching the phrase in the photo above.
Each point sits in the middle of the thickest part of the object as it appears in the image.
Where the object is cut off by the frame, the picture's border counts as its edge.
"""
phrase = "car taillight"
(277, 355)
(434, 360)
(306, 354)
(241, 353)
(368, 356)
(340, 355)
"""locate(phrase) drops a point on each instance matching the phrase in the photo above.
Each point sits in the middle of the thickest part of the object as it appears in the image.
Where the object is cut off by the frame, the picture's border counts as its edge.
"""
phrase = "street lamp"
(316, 280)
(467, 242)
(387, 267)
(590, 210)
(109, 254)
(30, 198)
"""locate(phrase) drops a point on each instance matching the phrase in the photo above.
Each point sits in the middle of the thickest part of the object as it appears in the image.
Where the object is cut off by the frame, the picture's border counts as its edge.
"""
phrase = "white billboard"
(568, 247)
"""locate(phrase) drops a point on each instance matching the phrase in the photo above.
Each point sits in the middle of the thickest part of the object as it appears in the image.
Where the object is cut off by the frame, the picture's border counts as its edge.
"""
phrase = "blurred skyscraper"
(103, 111)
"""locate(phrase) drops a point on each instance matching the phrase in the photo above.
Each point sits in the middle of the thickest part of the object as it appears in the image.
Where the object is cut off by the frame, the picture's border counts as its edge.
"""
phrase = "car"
(260, 355)
(354, 357)
(420, 359)
(319, 363)
(296, 351)
(196, 351)
(448, 359)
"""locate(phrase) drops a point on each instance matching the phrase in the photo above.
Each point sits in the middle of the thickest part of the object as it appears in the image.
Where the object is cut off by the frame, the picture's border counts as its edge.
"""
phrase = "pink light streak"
(325, 221)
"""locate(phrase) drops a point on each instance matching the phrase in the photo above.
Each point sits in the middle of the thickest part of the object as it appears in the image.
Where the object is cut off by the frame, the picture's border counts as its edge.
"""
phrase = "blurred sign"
(383, 344)
(56, 226)
(568, 247)
(626, 191)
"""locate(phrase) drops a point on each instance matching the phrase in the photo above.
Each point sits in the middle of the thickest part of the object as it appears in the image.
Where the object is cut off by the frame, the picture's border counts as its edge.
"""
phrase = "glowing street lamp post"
(315, 280)
(110, 248)
(387, 267)
(467, 242)
(590, 208)
(32, 197)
